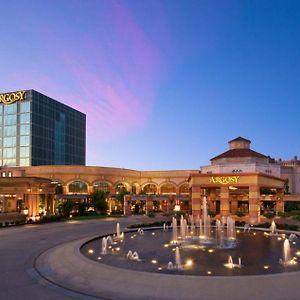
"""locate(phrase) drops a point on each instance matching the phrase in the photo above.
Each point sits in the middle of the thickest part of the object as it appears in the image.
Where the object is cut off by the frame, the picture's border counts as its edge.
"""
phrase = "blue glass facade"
(39, 130)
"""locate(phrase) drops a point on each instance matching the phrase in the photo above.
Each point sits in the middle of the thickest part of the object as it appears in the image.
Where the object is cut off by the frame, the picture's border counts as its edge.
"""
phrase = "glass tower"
(38, 130)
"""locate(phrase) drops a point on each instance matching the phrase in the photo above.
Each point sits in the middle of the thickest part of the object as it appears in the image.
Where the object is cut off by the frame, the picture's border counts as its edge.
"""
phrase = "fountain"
(118, 231)
(174, 231)
(230, 263)
(178, 259)
(104, 246)
(287, 257)
(132, 256)
(196, 256)
(170, 266)
(273, 228)
(140, 231)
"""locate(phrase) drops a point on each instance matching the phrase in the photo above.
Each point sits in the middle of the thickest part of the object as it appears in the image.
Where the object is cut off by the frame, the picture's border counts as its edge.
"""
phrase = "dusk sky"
(165, 84)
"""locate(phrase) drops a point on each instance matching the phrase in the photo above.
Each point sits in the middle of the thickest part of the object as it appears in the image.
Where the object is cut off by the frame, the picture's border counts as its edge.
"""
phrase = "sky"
(165, 84)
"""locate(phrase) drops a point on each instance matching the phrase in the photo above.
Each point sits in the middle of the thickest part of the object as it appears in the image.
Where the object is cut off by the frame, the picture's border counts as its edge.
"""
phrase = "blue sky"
(164, 84)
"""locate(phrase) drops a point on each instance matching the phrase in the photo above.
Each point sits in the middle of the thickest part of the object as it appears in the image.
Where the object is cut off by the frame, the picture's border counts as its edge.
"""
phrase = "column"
(127, 205)
(234, 205)
(149, 204)
(279, 201)
(224, 200)
(212, 200)
(33, 209)
(254, 204)
(196, 201)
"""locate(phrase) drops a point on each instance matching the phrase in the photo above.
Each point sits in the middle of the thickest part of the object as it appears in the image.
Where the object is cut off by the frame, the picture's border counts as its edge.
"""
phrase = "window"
(24, 118)
(184, 189)
(9, 152)
(10, 120)
(24, 162)
(101, 186)
(24, 140)
(24, 107)
(168, 188)
(77, 187)
(9, 142)
(10, 130)
(10, 109)
(9, 162)
(150, 189)
(24, 151)
(24, 129)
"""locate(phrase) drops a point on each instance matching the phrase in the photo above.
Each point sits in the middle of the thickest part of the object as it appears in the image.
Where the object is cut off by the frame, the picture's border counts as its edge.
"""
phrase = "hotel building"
(38, 130)
(238, 181)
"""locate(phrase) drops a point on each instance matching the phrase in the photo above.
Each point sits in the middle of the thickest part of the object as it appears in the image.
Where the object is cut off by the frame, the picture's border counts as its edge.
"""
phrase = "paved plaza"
(43, 262)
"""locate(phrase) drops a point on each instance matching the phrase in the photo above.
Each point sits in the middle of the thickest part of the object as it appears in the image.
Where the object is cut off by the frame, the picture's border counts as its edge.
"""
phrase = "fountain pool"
(259, 252)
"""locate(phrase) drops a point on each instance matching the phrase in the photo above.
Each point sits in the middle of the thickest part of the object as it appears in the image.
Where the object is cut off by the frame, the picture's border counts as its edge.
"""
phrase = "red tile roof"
(240, 153)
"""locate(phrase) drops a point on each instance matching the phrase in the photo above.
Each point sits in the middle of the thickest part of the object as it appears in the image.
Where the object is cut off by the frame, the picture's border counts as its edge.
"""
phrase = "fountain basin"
(256, 249)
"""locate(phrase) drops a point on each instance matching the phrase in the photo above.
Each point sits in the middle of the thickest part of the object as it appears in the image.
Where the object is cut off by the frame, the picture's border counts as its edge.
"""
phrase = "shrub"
(296, 217)
(151, 214)
(51, 218)
(212, 214)
(82, 208)
(99, 201)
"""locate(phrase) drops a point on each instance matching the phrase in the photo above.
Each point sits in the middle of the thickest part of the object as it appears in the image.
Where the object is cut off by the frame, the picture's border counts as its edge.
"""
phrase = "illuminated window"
(184, 189)
(150, 189)
(120, 188)
(101, 186)
(78, 187)
(168, 188)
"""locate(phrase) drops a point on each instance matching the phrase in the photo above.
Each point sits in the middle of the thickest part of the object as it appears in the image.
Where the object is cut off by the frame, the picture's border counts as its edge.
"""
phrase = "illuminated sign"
(10, 98)
(224, 179)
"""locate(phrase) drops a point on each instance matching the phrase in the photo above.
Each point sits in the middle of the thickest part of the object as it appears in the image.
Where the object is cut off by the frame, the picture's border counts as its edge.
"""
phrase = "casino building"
(43, 157)
(38, 130)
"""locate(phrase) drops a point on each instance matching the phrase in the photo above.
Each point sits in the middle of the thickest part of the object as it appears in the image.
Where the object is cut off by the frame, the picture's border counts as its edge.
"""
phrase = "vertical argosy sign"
(10, 98)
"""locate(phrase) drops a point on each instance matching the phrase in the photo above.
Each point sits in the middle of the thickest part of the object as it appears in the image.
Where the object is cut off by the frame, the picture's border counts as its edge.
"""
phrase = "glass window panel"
(24, 140)
(24, 162)
(10, 130)
(9, 162)
(10, 120)
(9, 142)
(24, 151)
(9, 152)
(24, 129)
(10, 109)
(25, 118)
(24, 107)
(1, 118)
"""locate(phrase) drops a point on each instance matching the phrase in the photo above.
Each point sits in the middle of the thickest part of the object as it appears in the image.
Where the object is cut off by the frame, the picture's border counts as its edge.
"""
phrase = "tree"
(99, 200)
(120, 195)
(66, 207)
(286, 188)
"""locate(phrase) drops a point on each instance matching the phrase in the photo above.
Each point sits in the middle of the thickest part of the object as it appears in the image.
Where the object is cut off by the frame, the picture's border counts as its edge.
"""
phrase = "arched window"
(133, 189)
(101, 186)
(150, 189)
(78, 187)
(121, 187)
(168, 188)
(184, 189)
